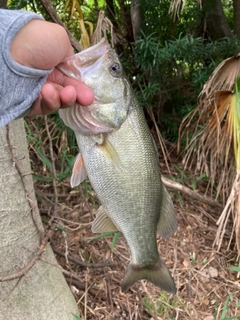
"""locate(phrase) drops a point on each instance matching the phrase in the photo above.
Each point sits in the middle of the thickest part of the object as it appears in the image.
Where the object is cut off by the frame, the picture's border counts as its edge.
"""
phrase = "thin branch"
(32, 203)
(193, 194)
(54, 16)
(53, 167)
(75, 280)
(31, 263)
(82, 263)
(151, 299)
(160, 138)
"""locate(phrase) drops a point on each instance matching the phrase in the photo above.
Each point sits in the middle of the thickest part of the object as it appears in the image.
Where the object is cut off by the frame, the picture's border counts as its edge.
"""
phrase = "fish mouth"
(91, 54)
(104, 114)
(80, 65)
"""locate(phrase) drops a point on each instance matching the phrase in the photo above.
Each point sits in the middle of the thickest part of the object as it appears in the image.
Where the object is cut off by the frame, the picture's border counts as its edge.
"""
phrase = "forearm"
(19, 85)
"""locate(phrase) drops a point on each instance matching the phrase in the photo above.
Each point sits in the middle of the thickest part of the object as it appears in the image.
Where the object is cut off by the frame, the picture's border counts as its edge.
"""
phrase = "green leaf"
(61, 228)
(235, 268)
(45, 179)
(45, 159)
(77, 317)
(60, 177)
(115, 239)
(102, 235)
(225, 308)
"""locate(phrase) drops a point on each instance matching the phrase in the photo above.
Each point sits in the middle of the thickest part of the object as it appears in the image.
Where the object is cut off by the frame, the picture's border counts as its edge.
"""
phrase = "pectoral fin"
(79, 172)
(110, 153)
(102, 222)
(167, 223)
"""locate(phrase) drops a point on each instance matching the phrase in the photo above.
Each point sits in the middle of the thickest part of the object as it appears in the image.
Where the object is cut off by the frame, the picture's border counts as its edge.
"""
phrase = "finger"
(68, 96)
(50, 101)
(36, 107)
(84, 94)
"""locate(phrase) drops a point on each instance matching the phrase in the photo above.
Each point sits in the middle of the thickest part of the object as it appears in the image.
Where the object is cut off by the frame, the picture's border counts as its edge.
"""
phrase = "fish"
(119, 156)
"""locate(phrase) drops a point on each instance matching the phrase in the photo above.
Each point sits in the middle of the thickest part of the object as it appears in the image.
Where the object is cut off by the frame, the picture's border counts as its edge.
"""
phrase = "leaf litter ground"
(206, 288)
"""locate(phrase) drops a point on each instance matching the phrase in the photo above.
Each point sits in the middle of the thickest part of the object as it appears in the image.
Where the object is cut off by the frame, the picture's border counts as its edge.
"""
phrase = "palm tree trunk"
(3, 4)
(136, 17)
(236, 18)
(42, 293)
(215, 20)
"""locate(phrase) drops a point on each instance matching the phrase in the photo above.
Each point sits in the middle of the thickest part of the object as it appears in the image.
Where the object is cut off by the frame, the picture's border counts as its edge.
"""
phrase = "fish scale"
(137, 188)
(122, 166)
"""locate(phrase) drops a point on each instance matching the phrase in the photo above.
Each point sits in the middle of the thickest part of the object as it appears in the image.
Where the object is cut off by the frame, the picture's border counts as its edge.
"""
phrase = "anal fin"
(102, 222)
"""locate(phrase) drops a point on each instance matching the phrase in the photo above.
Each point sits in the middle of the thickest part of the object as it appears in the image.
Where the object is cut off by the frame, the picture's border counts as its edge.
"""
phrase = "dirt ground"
(206, 288)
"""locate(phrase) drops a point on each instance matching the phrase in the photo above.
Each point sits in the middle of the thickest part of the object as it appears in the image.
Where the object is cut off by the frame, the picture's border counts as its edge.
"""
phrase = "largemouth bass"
(118, 154)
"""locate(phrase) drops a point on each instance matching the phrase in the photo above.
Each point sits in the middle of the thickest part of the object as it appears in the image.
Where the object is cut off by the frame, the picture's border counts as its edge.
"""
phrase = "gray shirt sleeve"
(19, 85)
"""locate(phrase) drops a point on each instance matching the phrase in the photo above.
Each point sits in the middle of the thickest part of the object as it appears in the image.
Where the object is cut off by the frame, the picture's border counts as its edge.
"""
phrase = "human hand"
(43, 45)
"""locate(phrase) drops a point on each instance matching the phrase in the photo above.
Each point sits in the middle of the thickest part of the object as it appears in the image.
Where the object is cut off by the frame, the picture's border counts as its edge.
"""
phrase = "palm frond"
(103, 29)
(177, 6)
(213, 135)
(223, 77)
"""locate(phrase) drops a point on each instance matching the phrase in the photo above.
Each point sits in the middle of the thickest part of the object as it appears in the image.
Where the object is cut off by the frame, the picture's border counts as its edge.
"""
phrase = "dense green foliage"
(171, 74)
(170, 61)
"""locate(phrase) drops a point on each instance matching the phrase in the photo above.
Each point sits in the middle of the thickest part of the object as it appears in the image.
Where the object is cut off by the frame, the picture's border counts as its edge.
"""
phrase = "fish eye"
(116, 69)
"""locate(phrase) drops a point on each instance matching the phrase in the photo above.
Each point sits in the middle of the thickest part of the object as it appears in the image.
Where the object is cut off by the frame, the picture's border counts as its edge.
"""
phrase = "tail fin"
(158, 274)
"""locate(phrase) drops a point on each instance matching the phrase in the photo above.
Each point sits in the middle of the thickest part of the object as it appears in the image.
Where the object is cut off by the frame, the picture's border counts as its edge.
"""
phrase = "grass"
(77, 317)
(106, 234)
(226, 306)
(165, 305)
(224, 312)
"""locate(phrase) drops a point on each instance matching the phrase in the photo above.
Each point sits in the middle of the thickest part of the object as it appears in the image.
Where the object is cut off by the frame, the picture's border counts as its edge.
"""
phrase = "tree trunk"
(3, 4)
(126, 20)
(42, 293)
(236, 18)
(136, 17)
(215, 23)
